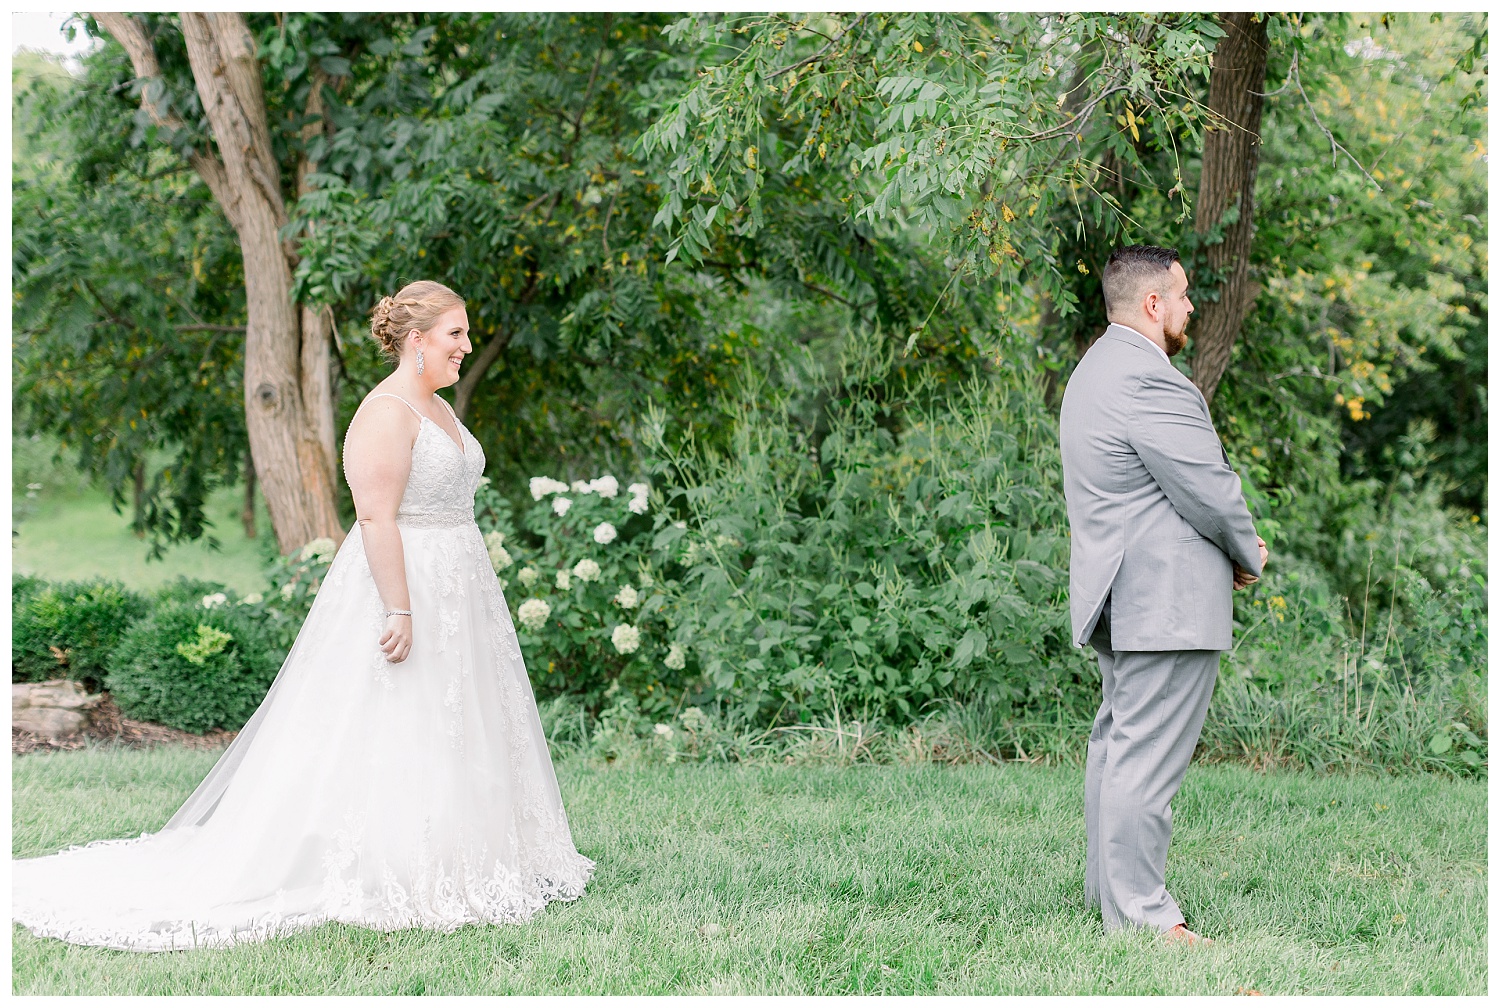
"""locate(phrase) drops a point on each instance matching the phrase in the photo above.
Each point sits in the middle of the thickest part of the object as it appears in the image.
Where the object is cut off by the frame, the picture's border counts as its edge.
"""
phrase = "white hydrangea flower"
(288, 589)
(605, 533)
(676, 657)
(586, 570)
(639, 492)
(605, 486)
(499, 557)
(664, 730)
(563, 581)
(541, 486)
(533, 613)
(528, 575)
(254, 598)
(625, 638)
(214, 601)
(321, 548)
(560, 505)
(582, 487)
(627, 597)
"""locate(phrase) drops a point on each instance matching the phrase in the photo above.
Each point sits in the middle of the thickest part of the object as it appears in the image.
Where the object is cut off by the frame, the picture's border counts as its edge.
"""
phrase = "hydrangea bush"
(576, 565)
(870, 571)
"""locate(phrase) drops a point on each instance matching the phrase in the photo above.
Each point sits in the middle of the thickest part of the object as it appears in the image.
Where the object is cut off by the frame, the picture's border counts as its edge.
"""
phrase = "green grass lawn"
(866, 879)
(71, 535)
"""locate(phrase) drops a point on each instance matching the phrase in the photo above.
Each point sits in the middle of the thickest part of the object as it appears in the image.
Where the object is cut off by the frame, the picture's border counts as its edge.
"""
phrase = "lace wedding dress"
(410, 795)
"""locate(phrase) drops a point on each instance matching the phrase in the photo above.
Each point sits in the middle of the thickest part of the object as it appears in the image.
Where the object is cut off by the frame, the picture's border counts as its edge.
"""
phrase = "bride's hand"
(396, 641)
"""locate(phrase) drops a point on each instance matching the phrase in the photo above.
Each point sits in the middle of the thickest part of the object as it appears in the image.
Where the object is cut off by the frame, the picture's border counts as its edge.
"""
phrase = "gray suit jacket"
(1158, 517)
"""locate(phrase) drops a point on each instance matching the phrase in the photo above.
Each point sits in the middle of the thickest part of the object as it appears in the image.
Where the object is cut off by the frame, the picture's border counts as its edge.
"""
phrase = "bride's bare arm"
(377, 461)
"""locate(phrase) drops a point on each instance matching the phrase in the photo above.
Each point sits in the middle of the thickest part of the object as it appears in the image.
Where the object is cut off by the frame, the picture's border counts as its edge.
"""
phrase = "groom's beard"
(1175, 341)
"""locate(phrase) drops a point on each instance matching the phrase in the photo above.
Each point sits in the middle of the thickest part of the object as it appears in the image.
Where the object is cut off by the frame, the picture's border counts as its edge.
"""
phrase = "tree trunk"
(317, 324)
(1231, 156)
(139, 475)
(247, 513)
(288, 404)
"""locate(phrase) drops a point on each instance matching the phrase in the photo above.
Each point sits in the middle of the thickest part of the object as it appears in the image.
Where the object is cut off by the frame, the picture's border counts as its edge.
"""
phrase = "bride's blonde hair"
(415, 306)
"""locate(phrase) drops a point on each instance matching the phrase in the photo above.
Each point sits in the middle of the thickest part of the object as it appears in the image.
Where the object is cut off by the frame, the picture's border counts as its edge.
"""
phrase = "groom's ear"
(1151, 304)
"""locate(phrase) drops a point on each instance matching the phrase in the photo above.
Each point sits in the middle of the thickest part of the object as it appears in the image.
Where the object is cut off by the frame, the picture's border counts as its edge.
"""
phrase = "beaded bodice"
(440, 489)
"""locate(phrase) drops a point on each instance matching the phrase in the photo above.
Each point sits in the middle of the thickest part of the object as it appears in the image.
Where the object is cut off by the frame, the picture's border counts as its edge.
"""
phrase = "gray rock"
(49, 722)
(51, 709)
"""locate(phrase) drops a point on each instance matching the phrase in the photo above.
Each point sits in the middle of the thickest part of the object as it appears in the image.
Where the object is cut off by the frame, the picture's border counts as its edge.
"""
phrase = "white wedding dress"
(388, 796)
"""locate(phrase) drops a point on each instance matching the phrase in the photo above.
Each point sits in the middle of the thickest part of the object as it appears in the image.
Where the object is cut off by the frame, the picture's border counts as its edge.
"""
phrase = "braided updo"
(415, 306)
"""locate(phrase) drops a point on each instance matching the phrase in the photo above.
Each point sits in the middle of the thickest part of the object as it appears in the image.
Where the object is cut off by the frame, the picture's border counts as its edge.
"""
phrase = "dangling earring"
(420, 362)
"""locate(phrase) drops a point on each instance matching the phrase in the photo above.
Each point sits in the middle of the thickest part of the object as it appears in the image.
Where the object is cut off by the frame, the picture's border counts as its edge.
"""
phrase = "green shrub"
(916, 553)
(24, 586)
(188, 590)
(900, 566)
(68, 630)
(790, 576)
(194, 666)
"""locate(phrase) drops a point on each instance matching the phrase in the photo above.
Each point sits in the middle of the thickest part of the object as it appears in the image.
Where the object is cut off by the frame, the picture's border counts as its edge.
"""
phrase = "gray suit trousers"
(1139, 750)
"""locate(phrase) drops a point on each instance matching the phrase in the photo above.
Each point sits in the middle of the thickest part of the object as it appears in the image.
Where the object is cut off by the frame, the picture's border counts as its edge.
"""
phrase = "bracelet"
(395, 612)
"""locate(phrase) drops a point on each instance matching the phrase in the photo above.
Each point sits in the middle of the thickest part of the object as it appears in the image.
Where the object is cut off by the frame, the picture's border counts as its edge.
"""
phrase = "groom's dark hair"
(1131, 271)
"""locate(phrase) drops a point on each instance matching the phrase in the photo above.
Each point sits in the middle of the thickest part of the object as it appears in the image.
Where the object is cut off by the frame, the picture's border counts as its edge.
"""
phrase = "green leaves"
(970, 647)
(881, 573)
(935, 121)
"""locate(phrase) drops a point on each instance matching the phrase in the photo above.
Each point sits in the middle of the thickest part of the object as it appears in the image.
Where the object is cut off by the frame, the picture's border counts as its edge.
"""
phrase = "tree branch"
(241, 71)
(588, 90)
(114, 316)
(131, 34)
(823, 51)
(1296, 76)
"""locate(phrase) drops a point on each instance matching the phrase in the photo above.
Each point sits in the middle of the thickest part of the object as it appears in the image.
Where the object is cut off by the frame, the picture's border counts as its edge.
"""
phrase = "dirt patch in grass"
(108, 725)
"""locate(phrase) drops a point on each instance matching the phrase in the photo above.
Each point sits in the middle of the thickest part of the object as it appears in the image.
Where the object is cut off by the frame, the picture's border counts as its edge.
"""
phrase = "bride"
(395, 776)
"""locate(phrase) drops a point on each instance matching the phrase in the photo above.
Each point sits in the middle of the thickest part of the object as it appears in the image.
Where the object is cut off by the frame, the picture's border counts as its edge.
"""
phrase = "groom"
(1160, 535)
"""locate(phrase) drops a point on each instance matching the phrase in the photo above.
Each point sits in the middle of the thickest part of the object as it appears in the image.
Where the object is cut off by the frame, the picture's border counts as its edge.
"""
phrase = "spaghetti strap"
(449, 408)
(389, 395)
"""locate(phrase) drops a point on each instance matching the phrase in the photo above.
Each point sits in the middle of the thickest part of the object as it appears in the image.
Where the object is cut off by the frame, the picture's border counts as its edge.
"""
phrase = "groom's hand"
(1243, 578)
